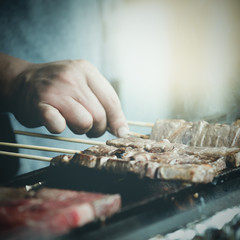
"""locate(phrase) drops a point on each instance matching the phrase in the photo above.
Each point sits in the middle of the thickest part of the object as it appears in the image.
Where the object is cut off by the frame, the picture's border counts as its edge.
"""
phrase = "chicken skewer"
(148, 158)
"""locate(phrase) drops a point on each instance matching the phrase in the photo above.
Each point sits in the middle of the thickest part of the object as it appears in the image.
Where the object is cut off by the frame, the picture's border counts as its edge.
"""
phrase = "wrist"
(10, 83)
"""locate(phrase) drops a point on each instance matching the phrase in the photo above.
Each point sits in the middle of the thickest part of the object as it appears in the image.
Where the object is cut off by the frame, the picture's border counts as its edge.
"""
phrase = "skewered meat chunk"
(199, 133)
(81, 159)
(101, 150)
(161, 146)
(193, 172)
(196, 173)
(62, 159)
(161, 160)
(232, 155)
(183, 167)
(84, 160)
(130, 142)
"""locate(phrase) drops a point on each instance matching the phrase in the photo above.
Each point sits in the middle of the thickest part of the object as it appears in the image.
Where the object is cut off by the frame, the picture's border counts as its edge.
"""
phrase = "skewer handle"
(84, 141)
(140, 124)
(21, 155)
(41, 148)
(138, 135)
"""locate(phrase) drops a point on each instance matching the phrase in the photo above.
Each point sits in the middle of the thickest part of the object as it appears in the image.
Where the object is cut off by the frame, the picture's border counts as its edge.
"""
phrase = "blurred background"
(165, 58)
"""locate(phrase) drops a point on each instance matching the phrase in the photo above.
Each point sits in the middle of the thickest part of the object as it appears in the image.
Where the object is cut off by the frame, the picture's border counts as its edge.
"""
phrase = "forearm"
(10, 68)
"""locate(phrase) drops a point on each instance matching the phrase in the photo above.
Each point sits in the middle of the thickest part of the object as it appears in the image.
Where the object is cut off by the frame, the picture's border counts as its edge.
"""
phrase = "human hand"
(68, 92)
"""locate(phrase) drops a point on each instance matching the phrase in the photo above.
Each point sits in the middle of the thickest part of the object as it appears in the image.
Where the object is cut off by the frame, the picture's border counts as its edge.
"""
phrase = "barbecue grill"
(149, 207)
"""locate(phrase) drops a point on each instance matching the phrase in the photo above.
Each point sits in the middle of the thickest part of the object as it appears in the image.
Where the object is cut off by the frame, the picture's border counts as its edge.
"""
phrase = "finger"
(51, 118)
(94, 107)
(110, 101)
(78, 119)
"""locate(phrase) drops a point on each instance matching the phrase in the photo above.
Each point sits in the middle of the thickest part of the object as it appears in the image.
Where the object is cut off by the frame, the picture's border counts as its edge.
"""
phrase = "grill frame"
(150, 207)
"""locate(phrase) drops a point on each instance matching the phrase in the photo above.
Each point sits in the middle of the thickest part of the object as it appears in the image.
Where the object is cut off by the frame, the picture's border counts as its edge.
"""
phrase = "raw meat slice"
(53, 211)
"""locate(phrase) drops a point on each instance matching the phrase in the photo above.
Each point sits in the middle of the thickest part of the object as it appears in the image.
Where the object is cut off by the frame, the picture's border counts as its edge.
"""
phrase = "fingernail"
(122, 131)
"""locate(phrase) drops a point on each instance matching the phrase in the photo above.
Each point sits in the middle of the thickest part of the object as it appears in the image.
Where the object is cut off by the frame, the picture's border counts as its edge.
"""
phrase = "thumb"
(117, 123)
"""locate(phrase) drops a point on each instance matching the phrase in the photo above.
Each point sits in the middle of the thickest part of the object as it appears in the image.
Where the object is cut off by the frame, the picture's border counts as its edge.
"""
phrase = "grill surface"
(149, 207)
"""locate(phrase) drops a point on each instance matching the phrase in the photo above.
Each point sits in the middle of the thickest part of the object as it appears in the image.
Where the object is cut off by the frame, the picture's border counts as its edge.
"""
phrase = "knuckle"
(56, 129)
(99, 124)
(85, 125)
(99, 116)
(84, 62)
(67, 72)
(52, 120)
(64, 75)
(48, 114)
(67, 76)
(85, 66)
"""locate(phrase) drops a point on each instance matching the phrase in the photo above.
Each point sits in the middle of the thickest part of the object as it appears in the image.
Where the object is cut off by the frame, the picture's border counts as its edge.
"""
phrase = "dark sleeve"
(9, 165)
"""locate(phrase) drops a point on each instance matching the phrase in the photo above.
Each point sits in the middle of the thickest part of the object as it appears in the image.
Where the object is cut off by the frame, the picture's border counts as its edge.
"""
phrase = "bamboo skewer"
(21, 155)
(42, 148)
(140, 124)
(50, 149)
(139, 135)
(84, 141)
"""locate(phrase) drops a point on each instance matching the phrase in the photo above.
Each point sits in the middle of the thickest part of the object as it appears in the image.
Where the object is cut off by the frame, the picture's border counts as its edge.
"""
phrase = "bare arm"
(59, 93)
